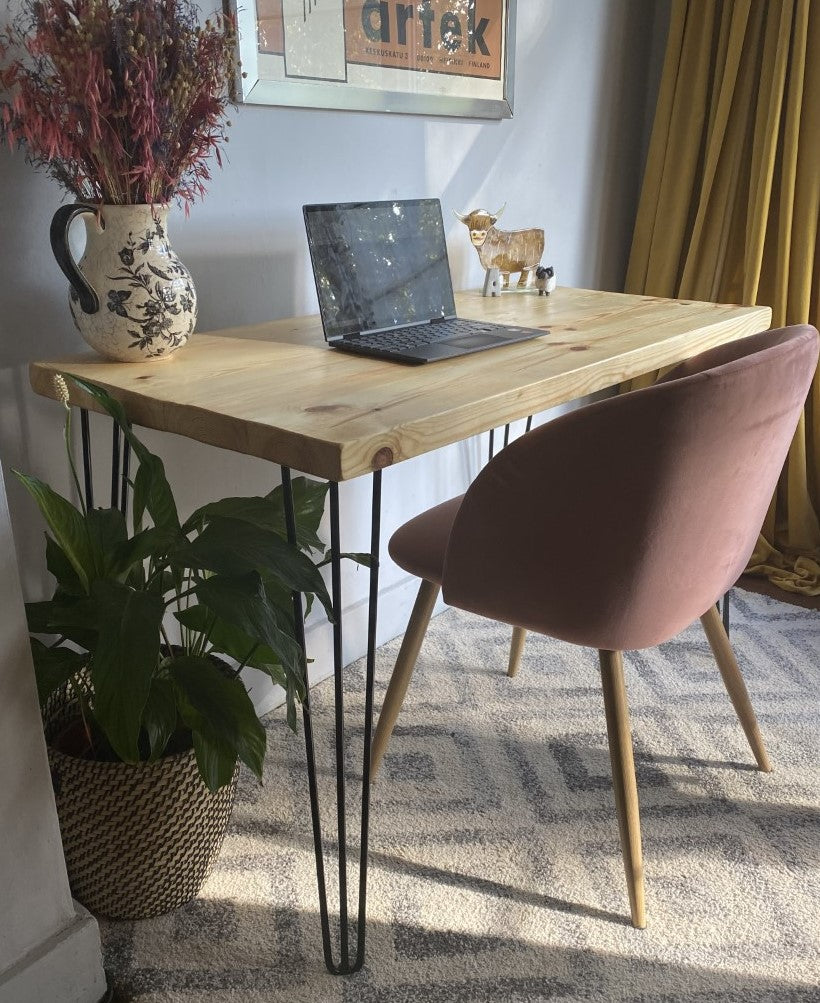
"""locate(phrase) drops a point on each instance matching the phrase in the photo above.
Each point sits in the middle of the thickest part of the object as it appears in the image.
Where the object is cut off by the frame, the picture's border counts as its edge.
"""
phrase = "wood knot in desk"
(382, 458)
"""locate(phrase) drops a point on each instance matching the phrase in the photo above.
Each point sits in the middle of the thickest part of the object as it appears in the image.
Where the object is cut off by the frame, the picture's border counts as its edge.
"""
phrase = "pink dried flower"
(120, 101)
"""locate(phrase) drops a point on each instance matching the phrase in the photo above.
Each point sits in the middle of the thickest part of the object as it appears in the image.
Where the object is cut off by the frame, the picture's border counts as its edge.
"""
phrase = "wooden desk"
(275, 391)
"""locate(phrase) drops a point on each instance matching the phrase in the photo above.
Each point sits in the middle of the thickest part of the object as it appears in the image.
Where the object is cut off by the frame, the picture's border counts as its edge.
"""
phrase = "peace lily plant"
(138, 615)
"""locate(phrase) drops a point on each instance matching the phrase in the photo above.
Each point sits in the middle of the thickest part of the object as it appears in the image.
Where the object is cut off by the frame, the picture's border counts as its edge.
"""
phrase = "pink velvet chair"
(615, 527)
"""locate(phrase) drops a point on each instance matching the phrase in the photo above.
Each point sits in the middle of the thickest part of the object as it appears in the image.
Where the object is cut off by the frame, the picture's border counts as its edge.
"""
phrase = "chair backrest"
(620, 523)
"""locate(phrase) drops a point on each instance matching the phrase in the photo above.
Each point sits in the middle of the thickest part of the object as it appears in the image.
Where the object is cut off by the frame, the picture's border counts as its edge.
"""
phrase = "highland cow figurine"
(506, 250)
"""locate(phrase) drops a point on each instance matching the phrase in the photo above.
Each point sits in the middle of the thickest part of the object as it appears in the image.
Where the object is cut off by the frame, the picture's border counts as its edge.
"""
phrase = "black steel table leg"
(348, 962)
(491, 450)
(126, 462)
(119, 465)
(88, 483)
(115, 466)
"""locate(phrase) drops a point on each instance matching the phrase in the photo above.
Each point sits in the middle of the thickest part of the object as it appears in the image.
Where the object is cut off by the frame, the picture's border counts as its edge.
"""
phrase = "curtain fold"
(729, 209)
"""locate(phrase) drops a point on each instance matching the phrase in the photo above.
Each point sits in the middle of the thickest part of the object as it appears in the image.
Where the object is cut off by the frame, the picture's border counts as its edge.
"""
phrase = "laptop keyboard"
(417, 337)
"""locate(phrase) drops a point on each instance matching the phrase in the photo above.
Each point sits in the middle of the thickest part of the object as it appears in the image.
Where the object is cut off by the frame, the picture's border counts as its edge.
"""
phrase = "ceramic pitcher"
(131, 297)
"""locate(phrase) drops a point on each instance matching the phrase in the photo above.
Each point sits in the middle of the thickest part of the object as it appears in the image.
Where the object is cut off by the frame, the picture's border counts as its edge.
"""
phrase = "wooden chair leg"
(735, 687)
(400, 680)
(516, 650)
(623, 779)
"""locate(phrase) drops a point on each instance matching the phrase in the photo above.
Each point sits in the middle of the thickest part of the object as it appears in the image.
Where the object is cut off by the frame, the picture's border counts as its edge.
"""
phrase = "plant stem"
(180, 595)
(245, 660)
(205, 637)
(69, 448)
(165, 639)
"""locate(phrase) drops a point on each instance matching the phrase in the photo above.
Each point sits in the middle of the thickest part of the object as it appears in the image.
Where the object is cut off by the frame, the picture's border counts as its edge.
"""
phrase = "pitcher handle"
(89, 300)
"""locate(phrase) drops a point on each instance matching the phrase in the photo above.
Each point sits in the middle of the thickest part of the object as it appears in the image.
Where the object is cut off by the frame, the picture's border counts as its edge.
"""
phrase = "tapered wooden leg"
(623, 779)
(516, 650)
(400, 680)
(735, 687)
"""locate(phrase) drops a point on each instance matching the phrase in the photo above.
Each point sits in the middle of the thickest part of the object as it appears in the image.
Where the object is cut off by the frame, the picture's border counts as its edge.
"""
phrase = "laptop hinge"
(393, 327)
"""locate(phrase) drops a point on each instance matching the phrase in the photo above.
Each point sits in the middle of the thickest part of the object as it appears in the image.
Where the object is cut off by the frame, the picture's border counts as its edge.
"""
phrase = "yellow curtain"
(729, 209)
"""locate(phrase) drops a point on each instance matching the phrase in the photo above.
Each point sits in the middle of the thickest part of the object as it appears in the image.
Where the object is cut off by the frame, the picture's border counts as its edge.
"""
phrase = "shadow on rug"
(496, 872)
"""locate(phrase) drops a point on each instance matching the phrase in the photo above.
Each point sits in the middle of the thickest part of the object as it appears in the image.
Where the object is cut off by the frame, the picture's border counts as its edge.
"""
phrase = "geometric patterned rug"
(495, 869)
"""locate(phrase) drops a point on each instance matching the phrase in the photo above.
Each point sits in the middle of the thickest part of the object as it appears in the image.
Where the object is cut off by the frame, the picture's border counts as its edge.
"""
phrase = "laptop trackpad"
(474, 341)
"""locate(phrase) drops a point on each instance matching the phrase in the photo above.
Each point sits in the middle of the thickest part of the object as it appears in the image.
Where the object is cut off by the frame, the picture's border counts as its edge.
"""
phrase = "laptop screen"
(379, 264)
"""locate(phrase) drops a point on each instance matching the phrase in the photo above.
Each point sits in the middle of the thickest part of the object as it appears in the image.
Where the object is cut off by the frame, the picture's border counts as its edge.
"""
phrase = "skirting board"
(395, 604)
(66, 968)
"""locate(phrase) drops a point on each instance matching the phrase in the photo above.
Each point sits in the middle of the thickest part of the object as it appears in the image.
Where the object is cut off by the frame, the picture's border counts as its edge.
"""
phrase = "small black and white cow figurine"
(545, 280)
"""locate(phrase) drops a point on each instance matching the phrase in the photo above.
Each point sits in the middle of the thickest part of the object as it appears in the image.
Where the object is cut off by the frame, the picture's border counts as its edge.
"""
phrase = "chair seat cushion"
(419, 545)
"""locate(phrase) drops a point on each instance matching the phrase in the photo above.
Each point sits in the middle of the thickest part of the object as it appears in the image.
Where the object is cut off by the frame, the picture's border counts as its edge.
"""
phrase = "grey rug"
(496, 873)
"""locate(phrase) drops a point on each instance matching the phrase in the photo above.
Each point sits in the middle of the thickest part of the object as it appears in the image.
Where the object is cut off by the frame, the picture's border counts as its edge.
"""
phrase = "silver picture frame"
(430, 57)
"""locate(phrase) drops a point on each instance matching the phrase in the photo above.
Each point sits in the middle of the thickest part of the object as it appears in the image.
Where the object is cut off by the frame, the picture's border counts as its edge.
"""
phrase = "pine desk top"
(276, 391)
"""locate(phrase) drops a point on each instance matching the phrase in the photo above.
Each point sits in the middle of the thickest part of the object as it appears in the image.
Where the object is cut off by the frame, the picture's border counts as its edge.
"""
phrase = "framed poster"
(432, 57)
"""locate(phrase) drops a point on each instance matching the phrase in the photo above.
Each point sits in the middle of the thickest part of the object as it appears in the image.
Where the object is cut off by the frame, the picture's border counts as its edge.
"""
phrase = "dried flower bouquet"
(120, 101)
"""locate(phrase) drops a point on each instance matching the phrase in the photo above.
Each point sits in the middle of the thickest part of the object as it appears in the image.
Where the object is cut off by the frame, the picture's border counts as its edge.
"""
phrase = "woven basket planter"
(139, 840)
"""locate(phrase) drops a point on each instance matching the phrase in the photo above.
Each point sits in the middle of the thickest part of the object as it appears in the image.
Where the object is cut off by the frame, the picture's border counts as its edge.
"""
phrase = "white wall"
(48, 949)
(570, 160)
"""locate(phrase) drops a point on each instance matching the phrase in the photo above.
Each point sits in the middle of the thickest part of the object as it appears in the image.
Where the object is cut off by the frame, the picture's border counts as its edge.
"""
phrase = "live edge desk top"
(276, 391)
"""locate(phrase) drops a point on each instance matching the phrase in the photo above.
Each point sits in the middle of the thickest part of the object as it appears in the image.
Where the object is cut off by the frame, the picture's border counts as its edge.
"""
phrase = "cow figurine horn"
(496, 215)
(463, 216)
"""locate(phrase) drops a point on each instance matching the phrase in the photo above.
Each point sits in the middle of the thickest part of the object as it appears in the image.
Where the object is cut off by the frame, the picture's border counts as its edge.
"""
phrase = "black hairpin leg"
(119, 469)
(491, 450)
(349, 962)
(119, 466)
(88, 483)
(126, 462)
(116, 435)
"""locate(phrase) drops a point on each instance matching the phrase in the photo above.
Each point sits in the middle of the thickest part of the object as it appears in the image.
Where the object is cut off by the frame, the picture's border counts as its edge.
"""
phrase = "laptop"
(384, 287)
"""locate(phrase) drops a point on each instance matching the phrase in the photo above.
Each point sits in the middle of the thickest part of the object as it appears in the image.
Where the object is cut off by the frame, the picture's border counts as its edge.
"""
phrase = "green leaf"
(308, 505)
(152, 493)
(62, 569)
(153, 542)
(215, 760)
(232, 547)
(242, 602)
(359, 558)
(54, 666)
(74, 617)
(229, 640)
(277, 674)
(268, 512)
(38, 616)
(151, 488)
(254, 509)
(292, 694)
(66, 524)
(159, 718)
(108, 403)
(219, 710)
(124, 662)
(106, 531)
(163, 584)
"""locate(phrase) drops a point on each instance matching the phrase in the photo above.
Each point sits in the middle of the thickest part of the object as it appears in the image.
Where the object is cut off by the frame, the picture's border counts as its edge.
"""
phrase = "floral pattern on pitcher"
(155, 332)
